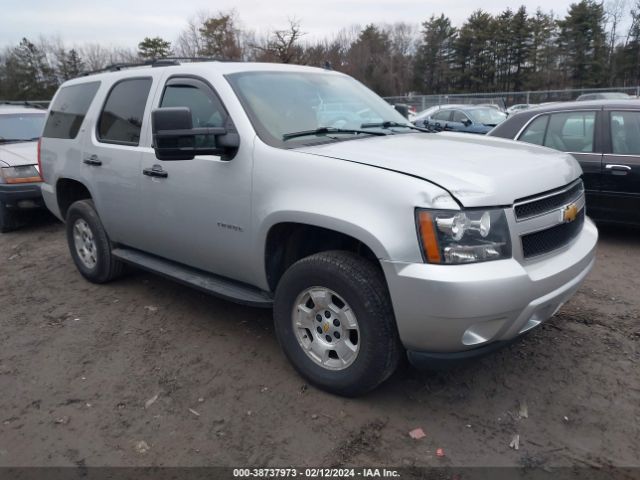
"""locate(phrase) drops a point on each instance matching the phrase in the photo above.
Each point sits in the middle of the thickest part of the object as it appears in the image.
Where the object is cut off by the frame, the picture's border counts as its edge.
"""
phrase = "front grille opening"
(544, 205)
(544, 241)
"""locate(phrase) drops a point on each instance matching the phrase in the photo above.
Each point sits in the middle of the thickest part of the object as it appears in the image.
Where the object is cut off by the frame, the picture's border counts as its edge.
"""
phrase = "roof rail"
(41, 104)
(155, 62)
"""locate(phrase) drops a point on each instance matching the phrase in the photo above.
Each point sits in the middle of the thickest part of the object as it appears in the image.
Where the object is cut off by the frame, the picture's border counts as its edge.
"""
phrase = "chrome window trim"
(550, 112)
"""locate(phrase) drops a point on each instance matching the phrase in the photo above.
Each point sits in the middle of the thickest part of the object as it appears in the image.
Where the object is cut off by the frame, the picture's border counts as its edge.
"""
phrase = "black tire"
(361, 284)
(107, 267)
(8, 219)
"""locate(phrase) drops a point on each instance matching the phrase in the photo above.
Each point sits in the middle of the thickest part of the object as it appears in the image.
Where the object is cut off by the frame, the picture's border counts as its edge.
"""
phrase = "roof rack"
(41, 104)
(155, 62)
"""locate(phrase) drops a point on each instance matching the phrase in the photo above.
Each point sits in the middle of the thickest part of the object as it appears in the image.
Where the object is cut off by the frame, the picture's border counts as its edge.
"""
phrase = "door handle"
(155, 171)
(92, 160)
(618, 169)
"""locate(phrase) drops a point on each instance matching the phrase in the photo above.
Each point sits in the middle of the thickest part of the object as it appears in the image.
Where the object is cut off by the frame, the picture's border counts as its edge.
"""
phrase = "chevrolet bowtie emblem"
(570, 213)
(325, 327)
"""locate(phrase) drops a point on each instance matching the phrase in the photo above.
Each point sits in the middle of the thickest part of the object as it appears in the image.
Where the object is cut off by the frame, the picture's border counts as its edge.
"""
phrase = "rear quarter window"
(69, 109)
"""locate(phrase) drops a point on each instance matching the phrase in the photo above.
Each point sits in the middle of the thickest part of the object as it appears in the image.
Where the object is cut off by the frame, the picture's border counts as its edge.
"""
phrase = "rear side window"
(121, 117)
(625, 133)
(571, 132)
(534, 133)
(444, 115)
(69, 109)
(459, 117)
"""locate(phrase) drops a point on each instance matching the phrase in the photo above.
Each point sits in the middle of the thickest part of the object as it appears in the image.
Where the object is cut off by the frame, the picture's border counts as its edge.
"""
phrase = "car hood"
(19, 153)
(477, 171)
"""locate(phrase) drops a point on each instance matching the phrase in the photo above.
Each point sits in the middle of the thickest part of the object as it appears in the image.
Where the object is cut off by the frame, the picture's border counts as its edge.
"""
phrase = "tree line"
(509, 51)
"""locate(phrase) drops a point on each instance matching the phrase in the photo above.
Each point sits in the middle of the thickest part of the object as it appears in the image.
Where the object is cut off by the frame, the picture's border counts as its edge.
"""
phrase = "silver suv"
(298, 189)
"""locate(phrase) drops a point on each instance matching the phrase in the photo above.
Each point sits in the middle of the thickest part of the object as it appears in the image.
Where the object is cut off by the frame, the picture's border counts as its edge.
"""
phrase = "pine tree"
(435, 54)
(152, 48)
(28, 75)
(583, 44)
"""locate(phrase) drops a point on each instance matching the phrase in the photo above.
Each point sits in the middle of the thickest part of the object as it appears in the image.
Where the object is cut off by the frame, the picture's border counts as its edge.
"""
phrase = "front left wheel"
(89, 244)
(334, 321)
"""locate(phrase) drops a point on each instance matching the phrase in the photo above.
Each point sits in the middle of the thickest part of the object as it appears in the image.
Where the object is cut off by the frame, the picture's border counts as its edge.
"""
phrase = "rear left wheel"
(89, 244)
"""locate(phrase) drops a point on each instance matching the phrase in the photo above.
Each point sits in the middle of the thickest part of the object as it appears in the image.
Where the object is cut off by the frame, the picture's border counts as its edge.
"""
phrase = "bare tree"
(283, 45)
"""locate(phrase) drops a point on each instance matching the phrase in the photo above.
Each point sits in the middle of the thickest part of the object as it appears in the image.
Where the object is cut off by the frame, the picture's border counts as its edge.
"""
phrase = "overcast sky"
(126, 22)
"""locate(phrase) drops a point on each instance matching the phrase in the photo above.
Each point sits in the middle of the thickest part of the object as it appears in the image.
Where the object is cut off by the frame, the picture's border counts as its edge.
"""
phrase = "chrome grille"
(540, 204)
(545, 241)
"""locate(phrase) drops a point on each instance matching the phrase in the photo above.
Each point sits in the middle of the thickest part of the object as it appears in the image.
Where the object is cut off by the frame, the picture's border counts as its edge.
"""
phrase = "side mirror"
(174, 137)
(402, 109)
(467, 122)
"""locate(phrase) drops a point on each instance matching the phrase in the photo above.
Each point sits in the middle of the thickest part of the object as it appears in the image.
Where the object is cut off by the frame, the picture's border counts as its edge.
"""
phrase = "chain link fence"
(504, 99)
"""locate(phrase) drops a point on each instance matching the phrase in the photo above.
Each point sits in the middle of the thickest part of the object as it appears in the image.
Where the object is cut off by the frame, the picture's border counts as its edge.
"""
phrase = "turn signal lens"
(429, 238)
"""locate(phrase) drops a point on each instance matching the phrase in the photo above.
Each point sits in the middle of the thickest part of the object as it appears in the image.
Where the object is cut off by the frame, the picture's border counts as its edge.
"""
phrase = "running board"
(206, 282)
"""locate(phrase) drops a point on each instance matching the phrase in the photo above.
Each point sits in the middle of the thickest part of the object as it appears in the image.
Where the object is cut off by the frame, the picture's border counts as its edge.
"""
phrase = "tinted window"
(443, 115)
(206, 110)
(571, 131)
(459, 117)
(68, 110)
(121, 117)
(20, 127)
(625, 133)
(534, 133)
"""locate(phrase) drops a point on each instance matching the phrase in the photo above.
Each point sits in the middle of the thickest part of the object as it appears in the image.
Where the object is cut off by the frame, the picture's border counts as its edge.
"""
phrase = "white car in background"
(20, 129)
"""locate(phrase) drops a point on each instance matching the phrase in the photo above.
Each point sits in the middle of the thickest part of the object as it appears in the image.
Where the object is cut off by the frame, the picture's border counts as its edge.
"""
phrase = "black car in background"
(604, 136)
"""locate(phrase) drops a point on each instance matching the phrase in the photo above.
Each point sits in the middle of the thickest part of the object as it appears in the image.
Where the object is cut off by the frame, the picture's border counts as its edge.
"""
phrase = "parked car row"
(604, 136)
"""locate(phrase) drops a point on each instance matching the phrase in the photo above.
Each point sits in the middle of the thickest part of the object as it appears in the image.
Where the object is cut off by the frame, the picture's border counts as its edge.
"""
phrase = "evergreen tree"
(70, 65)
(28, 75)
(583, 44)
(435, 54)
(219, 38)
(152, 48)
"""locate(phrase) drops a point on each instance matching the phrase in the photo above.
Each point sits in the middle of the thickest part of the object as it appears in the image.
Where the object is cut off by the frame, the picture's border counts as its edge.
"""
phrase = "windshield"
(281, 103)
(17, 127)
(487, 116)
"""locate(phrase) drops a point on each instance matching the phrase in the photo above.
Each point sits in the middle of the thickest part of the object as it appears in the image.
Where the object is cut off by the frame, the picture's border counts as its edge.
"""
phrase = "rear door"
(621, 166)
(112, 156)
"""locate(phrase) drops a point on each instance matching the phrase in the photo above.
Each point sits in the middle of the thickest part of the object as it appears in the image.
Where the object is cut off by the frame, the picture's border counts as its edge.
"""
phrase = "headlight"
(463, 236)
(20, 174)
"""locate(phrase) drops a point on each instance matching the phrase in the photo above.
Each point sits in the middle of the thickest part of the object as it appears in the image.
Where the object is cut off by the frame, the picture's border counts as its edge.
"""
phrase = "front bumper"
(21, 195)
(444, 309)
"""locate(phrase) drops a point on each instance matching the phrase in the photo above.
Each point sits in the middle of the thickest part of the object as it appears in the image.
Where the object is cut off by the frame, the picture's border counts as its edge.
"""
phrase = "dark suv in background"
(604, 136)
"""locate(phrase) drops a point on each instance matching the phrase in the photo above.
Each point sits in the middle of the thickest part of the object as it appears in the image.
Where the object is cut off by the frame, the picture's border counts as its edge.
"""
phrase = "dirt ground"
(144, 371)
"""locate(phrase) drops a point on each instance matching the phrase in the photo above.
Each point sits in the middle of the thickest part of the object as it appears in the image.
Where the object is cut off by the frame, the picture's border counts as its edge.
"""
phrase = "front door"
(199, 210)
(621, 167)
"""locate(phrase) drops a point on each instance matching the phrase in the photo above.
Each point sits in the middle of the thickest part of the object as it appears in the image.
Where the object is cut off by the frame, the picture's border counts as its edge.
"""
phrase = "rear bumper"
(444, 309)
(21, 195)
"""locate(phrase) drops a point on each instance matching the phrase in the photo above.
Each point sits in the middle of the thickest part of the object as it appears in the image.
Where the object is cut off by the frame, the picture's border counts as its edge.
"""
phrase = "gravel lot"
(144, 371)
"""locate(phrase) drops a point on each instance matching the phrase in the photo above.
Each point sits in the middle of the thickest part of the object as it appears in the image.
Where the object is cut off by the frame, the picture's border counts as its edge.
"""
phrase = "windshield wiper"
(328, 130)
(12, 140)
(390, 124)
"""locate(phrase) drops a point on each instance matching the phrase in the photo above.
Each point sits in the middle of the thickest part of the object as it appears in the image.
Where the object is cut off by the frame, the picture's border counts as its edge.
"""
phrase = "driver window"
(206, 110)
(459, 117)
(443, 115)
